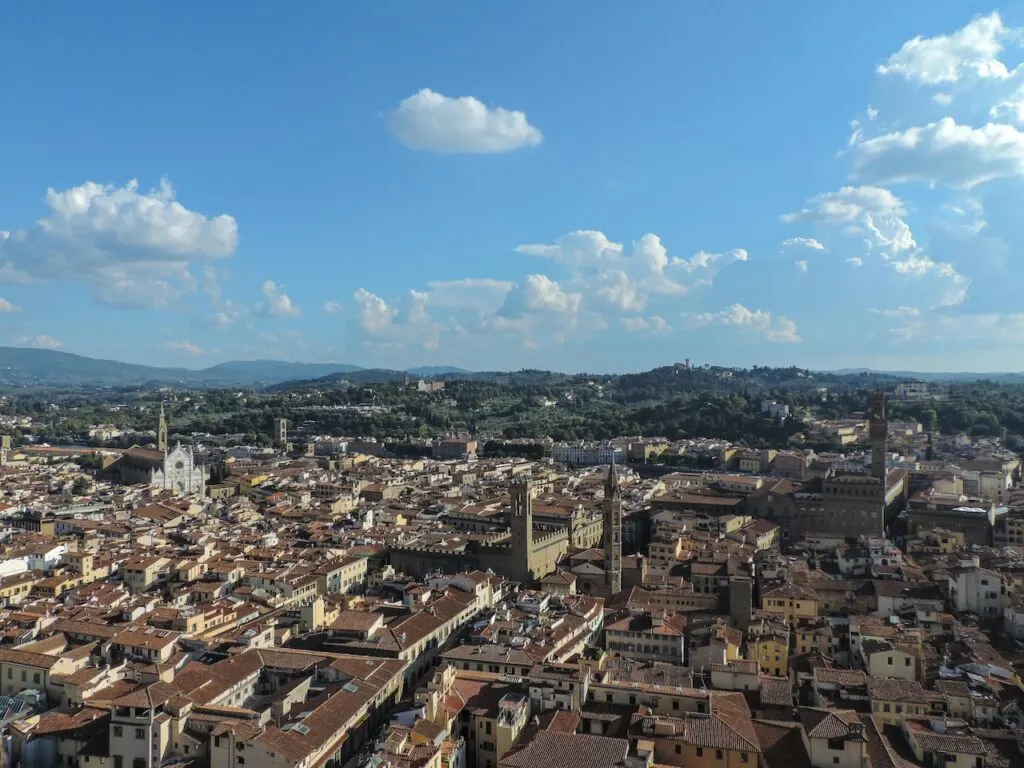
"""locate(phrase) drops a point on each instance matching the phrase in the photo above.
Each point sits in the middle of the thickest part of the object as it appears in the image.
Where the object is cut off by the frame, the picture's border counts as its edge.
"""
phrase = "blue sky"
(574, 185)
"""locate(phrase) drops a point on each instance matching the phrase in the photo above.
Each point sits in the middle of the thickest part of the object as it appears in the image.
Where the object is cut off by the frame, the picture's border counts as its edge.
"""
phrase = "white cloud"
(889, 232)
(623, 282)
(134, 248)
(855, 261)
(184, 346)
(801, 265)
(943, 152)
(757, 322)
(542, 294)
(856, 133)
(40, 342)
(943, 99)
(953, 285)
(847, 205)
(897, 312)
(871, 112)
(654, 324)
(966, 216)
(278, 303)
(472, 293)
(1011, 108)
(332, 307)
(432, 121)
(972, 52)
(582, 248)
(375, 316)
(6, 306)
(227, 314)
(409, 325)
(871, 211)
(803, 242)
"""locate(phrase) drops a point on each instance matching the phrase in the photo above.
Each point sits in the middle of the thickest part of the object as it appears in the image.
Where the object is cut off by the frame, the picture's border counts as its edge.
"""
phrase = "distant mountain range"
(21, 367)
(949, 376)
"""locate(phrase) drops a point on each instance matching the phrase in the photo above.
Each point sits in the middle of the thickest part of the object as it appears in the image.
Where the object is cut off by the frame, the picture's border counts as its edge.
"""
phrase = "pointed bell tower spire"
(161, 431)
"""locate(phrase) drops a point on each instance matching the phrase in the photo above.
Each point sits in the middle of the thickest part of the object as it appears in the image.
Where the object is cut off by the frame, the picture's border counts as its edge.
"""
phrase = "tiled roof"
(895, 689)
(553, 749)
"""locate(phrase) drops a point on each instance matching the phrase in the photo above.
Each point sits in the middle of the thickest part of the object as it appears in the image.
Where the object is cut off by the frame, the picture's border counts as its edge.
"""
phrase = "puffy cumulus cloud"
(332, 307)
(375, 316)
(897, 312)
(582, 248)
(943, 152)
(135, 249)
(431, 121)
(803, 242)
(185, 346)
(757, 322)
(603, 270)
(972, 52)
(542, 308)
(652, 324)
(477, 294)
(539, 293)
(40, 342)
(872, 211)
(6, 306)
(410, 324)
(847, 205)
(277, 303)
(855, 261)
(801, 265)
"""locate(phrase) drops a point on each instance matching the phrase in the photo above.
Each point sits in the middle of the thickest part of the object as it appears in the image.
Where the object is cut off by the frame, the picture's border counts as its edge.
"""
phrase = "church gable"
(588, 569)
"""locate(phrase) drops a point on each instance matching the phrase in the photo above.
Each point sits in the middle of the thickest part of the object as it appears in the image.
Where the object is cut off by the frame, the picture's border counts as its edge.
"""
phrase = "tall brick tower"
(521, 523)
(612, 508)
(878, 430)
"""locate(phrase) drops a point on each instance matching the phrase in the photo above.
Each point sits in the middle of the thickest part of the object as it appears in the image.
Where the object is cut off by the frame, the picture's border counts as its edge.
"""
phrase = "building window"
(700, 752)
(241, 760)
(679, 749)
(139, 762)
(118, 731)
(35, 678)
(743, 757)
(140, 733)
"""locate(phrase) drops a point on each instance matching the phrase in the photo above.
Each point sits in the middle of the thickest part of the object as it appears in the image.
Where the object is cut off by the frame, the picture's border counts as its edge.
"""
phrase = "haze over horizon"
(498, 188)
